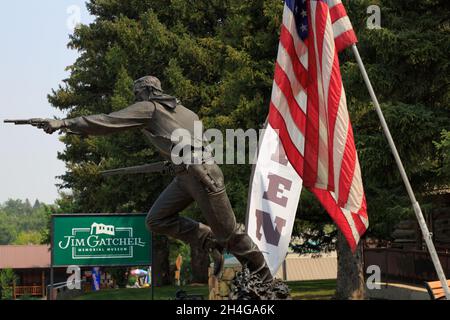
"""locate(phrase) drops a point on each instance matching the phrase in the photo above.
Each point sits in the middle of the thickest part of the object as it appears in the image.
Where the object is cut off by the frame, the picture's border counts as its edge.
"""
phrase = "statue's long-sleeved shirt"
(157, 122)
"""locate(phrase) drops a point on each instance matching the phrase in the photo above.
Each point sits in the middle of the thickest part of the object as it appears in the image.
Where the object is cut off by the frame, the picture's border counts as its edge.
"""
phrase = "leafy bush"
(7, 278)
(132, 280)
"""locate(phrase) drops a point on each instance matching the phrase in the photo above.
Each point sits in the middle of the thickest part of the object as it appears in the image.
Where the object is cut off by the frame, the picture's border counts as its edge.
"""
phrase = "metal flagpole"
(415, 204)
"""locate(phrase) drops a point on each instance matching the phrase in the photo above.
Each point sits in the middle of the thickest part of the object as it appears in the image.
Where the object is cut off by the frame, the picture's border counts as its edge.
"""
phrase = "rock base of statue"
(246, 286)
(236, 283)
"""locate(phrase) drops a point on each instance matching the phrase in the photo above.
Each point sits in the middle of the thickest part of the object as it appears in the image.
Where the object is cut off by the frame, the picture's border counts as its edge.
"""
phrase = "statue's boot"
(264, 273)
(215, 251)
(248, 254)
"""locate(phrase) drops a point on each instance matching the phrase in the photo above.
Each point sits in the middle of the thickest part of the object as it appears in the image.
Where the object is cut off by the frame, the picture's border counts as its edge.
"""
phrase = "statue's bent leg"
(164, 217)
(214, 203)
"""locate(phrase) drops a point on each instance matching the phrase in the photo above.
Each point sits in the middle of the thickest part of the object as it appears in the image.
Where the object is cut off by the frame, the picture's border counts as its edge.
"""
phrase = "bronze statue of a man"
(158, 115)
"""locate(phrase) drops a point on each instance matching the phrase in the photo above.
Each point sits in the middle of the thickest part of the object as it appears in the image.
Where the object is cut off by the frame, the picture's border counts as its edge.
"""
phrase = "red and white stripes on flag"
(308, 111)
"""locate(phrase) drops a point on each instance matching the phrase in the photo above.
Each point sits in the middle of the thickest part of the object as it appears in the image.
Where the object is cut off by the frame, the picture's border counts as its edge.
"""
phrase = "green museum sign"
(100, 240)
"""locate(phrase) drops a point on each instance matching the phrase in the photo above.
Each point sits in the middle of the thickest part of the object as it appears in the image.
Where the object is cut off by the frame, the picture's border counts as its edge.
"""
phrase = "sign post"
(93, 240)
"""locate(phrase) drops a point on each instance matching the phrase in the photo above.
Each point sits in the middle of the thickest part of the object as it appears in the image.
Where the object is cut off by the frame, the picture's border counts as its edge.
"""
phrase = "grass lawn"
(161, 293)
(301, 290)
(312, 290)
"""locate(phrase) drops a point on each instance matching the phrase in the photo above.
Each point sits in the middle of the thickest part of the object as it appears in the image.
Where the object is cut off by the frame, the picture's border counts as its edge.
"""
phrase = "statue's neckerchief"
(164, 99)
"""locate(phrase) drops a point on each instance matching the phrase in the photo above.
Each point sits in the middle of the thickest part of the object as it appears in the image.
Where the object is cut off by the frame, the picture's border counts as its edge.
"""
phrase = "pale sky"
(33, 58)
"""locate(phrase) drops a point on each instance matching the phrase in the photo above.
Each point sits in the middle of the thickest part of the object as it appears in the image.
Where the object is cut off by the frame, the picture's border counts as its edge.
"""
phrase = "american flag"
(309, 110)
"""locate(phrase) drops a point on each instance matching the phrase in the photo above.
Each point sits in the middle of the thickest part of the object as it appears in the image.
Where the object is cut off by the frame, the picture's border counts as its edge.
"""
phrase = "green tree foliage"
(21, 223)
(443, 147)
(407, 60)
(7, 278)
(28, 237)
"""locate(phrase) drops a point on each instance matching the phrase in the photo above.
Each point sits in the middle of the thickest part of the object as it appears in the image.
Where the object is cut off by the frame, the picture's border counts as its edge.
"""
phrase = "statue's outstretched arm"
(135, 116)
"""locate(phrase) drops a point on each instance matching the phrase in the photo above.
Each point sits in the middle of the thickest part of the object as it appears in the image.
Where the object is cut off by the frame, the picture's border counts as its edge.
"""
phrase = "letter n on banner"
(273, 201)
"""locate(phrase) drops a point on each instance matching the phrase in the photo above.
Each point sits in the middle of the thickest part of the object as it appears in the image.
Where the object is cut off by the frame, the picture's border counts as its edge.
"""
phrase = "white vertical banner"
(273, 200)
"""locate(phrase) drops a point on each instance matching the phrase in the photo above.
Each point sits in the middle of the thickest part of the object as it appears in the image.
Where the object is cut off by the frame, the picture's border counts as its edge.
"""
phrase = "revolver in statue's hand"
(48, 125)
